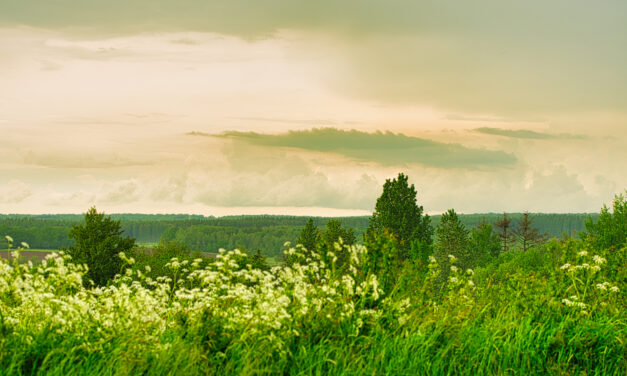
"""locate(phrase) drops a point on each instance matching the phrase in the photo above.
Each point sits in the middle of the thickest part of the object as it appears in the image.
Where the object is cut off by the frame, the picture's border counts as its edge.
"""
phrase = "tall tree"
(526, 234)
(504, 230)
(452, 239)
(97, 243)
(308, 236)
(397, 213)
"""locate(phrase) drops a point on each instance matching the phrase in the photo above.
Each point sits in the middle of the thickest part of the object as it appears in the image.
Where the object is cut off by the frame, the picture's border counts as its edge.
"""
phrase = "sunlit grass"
(225, 317)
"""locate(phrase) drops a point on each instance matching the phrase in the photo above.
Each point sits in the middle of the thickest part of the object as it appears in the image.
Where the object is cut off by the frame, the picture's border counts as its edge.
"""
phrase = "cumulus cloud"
(120, 192)
(14, 191)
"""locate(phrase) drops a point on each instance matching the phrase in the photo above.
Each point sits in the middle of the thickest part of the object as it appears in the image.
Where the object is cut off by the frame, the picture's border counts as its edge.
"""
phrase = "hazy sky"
(306, 107)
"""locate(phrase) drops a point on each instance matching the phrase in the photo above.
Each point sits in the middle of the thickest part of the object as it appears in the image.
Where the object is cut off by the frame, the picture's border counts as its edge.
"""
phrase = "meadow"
(558, 309)
(473, 302)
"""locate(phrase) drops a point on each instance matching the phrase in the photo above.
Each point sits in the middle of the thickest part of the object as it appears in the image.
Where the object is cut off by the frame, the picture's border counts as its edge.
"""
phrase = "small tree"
(331, 235)
(452, 239)
(308, 236)
(484, 242)
(503, 227)
(527, 235)
(397, 213)
(97, 244)
(610, 229)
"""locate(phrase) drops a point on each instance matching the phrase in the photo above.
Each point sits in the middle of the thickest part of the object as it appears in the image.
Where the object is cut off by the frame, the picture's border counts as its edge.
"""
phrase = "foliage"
(97, 244)
(308, 236)
(158, 257)
(332, 234)
(267, 233)
(228, 318)
(452, 239)
(485, 244)
(397, 212)
(610, 229)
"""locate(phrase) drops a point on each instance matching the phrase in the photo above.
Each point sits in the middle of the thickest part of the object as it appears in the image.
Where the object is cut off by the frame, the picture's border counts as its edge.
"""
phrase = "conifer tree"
(308, 236)
(504, 230)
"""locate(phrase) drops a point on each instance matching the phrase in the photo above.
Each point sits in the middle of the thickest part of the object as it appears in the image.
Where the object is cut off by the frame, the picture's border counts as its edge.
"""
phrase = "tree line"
(398, 234)
(264, 232)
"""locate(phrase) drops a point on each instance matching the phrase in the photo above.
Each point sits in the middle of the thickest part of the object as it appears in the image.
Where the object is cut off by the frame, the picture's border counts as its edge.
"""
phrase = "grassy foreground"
(557, 310)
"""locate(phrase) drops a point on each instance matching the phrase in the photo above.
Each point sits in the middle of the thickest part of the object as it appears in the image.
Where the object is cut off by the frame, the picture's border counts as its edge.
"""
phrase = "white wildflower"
(583, 253)
(614, 289)
(25, 245)
(565, 266)
(598, 259)
(9, 239)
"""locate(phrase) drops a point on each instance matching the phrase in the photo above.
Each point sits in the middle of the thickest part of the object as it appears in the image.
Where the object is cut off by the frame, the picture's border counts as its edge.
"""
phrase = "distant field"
(31, 254)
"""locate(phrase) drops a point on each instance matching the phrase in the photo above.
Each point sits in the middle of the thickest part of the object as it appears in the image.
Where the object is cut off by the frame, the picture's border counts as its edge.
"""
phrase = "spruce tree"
(308, 236)
(526, 234)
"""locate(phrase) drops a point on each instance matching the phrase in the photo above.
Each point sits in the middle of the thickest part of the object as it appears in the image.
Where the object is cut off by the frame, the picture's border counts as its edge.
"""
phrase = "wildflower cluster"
(237, 300)
(587, 285)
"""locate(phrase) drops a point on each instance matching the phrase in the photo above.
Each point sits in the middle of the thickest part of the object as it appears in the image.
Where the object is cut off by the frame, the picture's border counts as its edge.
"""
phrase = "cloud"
(528, 134)
(120, 192)
(515, 58)
(69, 159)
(383, 148)
(14, 191)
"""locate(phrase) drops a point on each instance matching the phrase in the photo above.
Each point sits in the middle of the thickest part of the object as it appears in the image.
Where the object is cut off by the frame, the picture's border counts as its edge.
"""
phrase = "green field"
(532, 313)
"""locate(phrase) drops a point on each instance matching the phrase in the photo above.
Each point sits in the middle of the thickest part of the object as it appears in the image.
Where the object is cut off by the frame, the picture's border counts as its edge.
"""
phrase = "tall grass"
(563, 315)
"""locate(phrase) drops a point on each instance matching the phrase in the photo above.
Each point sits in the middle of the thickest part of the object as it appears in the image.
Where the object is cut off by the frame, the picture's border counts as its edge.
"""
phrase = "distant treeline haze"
(260, 232)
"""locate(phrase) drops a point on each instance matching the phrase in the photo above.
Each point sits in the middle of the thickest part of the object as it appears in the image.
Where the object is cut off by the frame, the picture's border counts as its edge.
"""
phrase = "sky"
(306, 107)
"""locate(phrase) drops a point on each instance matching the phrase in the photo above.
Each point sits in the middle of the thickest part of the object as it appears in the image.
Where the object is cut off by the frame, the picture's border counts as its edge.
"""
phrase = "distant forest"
(266, 233)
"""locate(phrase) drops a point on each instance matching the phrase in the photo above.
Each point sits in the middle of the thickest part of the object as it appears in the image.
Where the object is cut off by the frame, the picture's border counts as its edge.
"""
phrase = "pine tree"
(308, 236)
